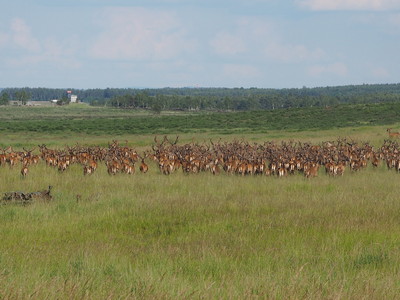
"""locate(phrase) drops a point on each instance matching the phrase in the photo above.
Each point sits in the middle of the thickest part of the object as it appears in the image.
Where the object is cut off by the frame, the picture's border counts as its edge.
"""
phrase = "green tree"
(156, 107)
(5, 99)
(64, 101)
(142, 99)
(22, 97)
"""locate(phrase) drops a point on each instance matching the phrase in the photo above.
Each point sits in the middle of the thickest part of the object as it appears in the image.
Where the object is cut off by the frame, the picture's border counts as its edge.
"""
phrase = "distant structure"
(72, 98)
(33, 103)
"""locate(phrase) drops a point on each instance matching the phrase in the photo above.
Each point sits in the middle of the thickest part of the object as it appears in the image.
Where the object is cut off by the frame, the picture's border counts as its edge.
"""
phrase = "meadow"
(82, 119)
(151, 236)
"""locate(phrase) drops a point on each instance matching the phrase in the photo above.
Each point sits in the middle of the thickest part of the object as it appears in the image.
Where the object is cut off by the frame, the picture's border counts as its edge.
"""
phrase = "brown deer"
(128, 168)
(92, 164)
(340, 168)
(113, 167)
(311, 170)
(24, 170)
(143, 166)
(3, 157)
(87, 170)
(393, 134)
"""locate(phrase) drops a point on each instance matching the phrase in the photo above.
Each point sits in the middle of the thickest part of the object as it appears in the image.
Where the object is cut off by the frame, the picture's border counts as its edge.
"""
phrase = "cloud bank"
(139, 34)
(371, 5)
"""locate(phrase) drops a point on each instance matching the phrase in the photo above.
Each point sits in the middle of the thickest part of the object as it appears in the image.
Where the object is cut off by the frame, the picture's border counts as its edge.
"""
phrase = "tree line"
(216, 99)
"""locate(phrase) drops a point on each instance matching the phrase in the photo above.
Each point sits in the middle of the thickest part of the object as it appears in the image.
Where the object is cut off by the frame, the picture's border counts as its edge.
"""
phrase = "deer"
(393, 134)
(91, 166)
(128, 168)
(312, 170)
(375, 160)
(340, 169)
(87, 170)
(24, 170)
(113, 166)
(28, 157)
(12, 158)
(3, 157)
(143, 166)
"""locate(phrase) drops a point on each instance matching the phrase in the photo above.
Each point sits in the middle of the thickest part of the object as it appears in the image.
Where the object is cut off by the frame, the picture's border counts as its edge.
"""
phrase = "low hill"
(91, 120)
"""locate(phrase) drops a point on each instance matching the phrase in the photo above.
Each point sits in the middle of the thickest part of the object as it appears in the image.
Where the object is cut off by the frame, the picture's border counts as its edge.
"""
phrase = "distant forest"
(216, 99)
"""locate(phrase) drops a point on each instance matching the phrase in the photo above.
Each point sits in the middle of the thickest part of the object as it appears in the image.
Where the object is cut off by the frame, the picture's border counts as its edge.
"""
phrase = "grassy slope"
(154, 236)
(28, 126)
(106, 121)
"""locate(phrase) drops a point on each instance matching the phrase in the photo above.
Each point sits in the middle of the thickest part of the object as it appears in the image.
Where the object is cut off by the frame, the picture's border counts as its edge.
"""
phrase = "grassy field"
(81, 119)
(57, 126)
(150, 236)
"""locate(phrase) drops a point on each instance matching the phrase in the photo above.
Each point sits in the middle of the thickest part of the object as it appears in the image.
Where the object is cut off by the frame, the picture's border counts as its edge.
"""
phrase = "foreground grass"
(201, 236)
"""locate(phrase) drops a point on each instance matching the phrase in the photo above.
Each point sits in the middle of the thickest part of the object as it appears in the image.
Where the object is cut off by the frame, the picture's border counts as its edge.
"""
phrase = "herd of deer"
(243, 158)
(237, 157)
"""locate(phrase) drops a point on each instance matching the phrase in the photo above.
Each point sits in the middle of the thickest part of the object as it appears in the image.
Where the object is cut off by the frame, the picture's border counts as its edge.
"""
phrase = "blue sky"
(206, 43)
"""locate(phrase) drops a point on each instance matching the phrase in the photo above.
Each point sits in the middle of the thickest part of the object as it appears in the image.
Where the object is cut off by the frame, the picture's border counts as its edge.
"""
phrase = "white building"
(73, 98)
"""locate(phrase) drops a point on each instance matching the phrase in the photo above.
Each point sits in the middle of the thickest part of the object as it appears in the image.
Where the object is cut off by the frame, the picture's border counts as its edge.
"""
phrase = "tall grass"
(150, 236)
(201, 236)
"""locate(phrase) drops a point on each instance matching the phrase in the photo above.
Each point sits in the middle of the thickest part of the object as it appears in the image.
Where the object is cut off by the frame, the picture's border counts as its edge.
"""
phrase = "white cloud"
(257, 38)
(380, 72)
(254, 27)
(34, 51)
(3, 39)
(292, 53)
(138, 33)
(21, 36)
(228, 44)
(349, 4)
(394, 19)
(243, 36)
(58, 59)
(335, 69)
(241, 71)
